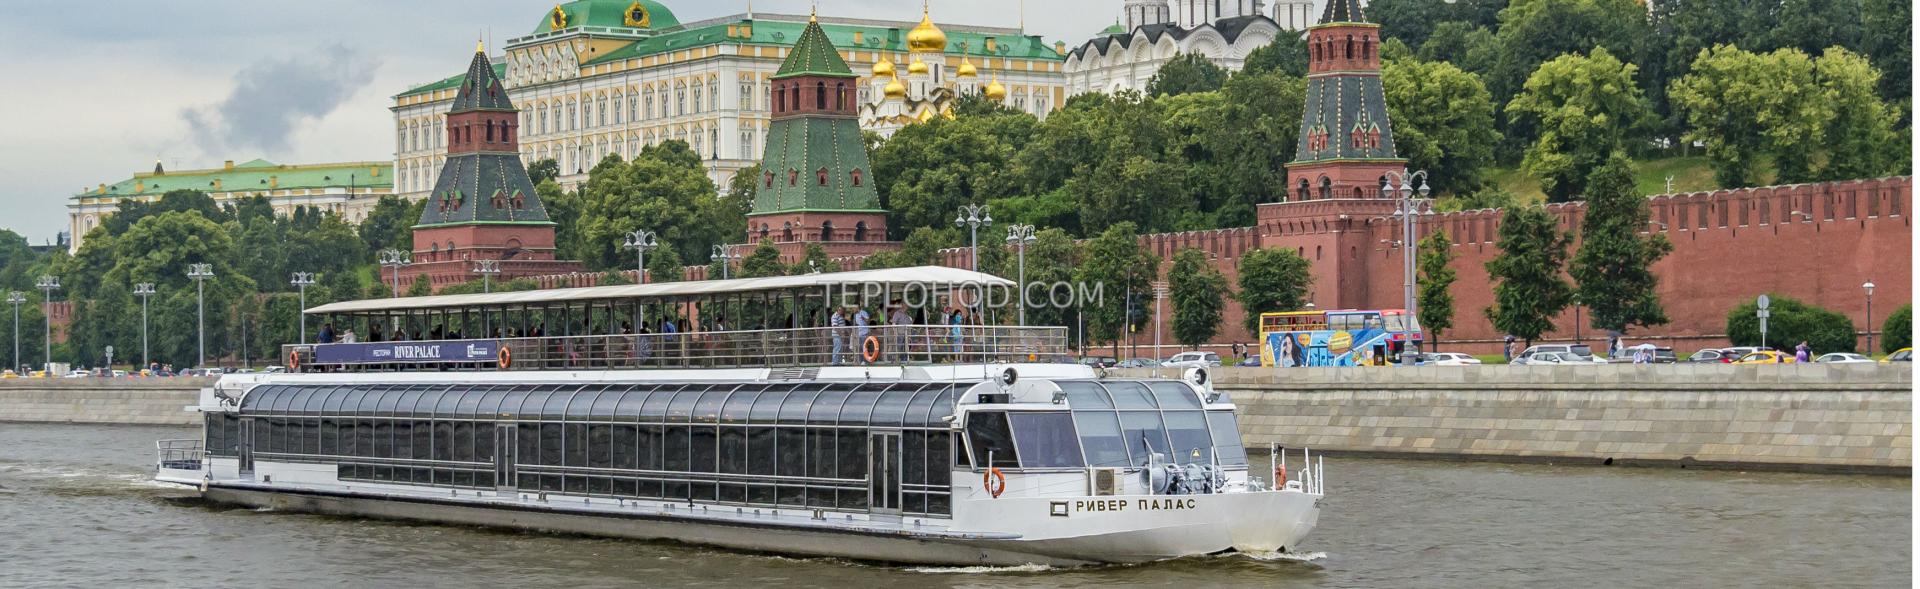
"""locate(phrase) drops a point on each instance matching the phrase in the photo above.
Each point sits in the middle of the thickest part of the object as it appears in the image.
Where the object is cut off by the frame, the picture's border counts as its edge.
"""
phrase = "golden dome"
(995, 92)
(926, 115)
(917, 67)
(966, 69)
(926, 38)
(883, 67)
(895, 89)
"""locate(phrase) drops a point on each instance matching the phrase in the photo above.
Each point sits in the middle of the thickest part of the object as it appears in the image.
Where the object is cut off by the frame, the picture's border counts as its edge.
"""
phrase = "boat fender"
(870, 349)
(506, 358)
(995, 481)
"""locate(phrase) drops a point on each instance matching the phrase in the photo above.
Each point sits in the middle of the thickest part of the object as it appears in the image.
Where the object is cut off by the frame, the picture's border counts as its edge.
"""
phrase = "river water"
(75, 510)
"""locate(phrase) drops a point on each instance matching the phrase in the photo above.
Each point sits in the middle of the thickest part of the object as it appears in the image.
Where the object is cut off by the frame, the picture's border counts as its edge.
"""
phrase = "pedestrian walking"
(1802, 353)
(1507, 349)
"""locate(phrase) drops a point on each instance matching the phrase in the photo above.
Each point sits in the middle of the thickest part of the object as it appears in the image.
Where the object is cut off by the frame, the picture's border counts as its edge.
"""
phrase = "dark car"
(1712, 356)
(1099, 361)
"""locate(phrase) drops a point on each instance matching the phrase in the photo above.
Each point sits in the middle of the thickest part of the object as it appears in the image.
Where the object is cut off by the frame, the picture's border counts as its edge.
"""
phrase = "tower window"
(856, 176)
(793, 177)
(820, 95)
(822, 173)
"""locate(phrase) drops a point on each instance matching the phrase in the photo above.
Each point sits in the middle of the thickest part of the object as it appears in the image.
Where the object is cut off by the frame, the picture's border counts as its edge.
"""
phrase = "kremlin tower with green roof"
(1346, 141)
(816, 185)
(483, 206)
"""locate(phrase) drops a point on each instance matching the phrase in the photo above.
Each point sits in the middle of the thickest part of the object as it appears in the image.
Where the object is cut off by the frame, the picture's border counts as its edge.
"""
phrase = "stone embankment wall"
(1855, 418)
(149, 401)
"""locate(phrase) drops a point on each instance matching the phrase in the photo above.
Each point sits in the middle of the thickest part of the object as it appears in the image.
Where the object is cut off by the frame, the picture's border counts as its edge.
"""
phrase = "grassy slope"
(1650, 176)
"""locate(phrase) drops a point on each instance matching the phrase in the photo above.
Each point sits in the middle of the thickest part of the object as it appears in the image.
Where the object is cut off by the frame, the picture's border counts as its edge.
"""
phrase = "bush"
(1792, 322)
(1897, 332)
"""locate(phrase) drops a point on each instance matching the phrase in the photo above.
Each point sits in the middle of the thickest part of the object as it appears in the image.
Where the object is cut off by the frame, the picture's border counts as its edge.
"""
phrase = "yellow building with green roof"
(349, 189)
(599, 77)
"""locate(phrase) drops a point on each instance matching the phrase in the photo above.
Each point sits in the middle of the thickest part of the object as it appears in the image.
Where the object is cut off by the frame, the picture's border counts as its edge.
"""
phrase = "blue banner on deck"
(423, 352)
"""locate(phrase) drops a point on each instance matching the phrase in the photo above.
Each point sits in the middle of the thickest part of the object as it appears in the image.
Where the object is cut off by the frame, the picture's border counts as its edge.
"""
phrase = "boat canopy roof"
(890, 279)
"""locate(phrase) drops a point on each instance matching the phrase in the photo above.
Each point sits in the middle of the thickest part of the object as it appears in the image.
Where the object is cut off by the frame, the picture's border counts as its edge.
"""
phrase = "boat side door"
(883, 472)
(246, 445)
(505, 446)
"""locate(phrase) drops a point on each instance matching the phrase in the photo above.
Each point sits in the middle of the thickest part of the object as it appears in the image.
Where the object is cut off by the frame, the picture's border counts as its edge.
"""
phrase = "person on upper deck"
(837, 324)
(374, 335)
(326, 332)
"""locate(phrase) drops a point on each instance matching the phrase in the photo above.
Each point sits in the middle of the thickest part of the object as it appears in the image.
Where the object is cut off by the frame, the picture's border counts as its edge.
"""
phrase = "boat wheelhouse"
(945, 455)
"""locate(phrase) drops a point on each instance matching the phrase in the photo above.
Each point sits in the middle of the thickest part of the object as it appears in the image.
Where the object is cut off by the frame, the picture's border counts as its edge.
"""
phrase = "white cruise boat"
(972, 445)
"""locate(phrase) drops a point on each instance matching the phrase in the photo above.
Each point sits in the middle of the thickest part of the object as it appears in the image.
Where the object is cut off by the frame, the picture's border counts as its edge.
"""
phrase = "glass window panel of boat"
(527, 443)
(404, 402)
(761, 449)
(891, 410)
(858, 408)
(580, 407)
(678, 448)
(707, 409)
(827, 407)
(706, 449)
(1083, 395)
(925, 408)
(740, 403)
(733, 449)
(297, 402)
(551, 446)
(331, 406)
(1226, 438)
(602, 409)
(821, 452)
(574, 443)
(913, 457)
(1100, 438)
(599, 445)
(1046, 439)
(403, 439)
(1131, 395)
(429, 399)
(655, 408)
(383, 438)
(555, 407)
(681, 409)
(376, 395)
(1175, 395)
(766, 405)
(493, 401)
(628, 410)
(939, 458)
(388, 400)
(260, 400)
(1187, 434)
(363, 437)
(791, 443)
(853, 454)
(798, 404)
(990, 436)
(1144, 434)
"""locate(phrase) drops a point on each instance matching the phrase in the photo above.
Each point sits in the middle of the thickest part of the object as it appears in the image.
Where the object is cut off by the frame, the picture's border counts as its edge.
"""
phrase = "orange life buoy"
(995, 480)
(293, 361)
(870, 349)
(1279, 476)
(506, 358)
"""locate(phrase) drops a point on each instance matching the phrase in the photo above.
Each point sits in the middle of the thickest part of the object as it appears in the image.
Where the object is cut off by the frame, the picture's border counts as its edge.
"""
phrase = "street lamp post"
(16, 297)
(973, 217)
(48, 283)
(725, 259)
(302, 280)
(1020, 236)
(395, 259)
(1408, 210)
(1869, 288)
(641, 240)
(486, 269)
(200, 273)
(144, 290)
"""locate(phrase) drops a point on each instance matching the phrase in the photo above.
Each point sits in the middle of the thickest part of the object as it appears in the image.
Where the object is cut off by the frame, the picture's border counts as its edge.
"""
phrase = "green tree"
(1233, 147)
(31, 326)
(664, 265)
(1470, 47)
(1199, 295)
(1582, 109)
(664, 190)
(1614, 266)
(1051, 262)
(543, 170)
(1286, 55)
(813, 258)
(563, 208)
(1442, 122)
(420, 286)
(1123, 271)
(1528, 291)
(1860, 140)
(763, 262)
(1746, 105)
(1887, 39)
(926, 171)
(1186, 73)
(1790, 323)
(1897, 331)
(1273, 280)
(383, 226)
(1532, 32)
(1409, 21)
(1436, 285)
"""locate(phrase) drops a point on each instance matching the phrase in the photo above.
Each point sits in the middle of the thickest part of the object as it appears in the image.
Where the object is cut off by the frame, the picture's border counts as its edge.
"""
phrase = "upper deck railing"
(878, 345)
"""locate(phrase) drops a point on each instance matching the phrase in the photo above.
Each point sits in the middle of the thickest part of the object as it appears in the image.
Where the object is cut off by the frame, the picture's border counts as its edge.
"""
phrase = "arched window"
(822, 173)
(820, 95)
(763, 232)
(1326, 187)
(794, 90)
(769, 179)
(1306, 190)
(713, 94)
(696, 97)
(1359, 192)
(860, 231)
(793, 177)
(826, 231)
(1349, 53)
(856, 176)
(1316, 51)
(840, 96)
(1366, 48)
(779, 100)
(786, 231)
(489, 131)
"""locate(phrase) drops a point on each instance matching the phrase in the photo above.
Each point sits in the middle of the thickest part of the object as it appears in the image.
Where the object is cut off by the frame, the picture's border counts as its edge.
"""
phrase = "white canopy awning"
(891, 279)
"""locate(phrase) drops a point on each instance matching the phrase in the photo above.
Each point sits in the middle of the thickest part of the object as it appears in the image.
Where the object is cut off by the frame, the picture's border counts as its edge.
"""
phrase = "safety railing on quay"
(821, 346)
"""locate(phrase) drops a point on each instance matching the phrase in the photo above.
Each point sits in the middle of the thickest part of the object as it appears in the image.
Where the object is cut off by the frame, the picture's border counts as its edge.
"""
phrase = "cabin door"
(246, 445)
(883, 454)
(505, 437)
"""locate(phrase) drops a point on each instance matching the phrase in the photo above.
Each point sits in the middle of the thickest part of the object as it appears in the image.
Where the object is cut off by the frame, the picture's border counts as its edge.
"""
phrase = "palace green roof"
(872, 38)
(608, 13)
(256, 175)
(813, 55)
(499, 71)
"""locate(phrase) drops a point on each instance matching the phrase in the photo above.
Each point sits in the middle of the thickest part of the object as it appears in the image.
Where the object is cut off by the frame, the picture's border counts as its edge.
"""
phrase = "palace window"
(586, 120)
(713, 94)
(602, 109)
(573, 116)
(696, 98)
(680, 101)
(616, 110)
(746, 96)
(649, 109)
(746, 145)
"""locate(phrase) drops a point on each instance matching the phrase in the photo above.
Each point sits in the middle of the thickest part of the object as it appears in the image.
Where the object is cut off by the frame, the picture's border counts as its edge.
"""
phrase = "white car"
(1450, 359)
(1842, 358)
(1193, 360)
(78, 374)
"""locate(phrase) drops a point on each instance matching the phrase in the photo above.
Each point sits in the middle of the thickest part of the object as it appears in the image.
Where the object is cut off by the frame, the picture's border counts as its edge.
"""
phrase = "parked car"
(1577, 352)
(1765, 357)
(78, 374)
(1194, 360)
(1661, 355)
(1711, 356)
(1738, 352)
(1139, 363)
(1842, 358)
(118, 374)
(1449, 359)
(1900, 355)
(1549, 358)
(1099, 361)
(1249, 361)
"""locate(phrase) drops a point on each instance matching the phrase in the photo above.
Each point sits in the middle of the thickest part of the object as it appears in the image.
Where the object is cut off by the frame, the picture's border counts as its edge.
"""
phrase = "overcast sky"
(93, 95)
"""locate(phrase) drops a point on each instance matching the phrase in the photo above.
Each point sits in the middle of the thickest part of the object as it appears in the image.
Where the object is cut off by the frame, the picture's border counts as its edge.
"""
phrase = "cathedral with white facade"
(1148, 33)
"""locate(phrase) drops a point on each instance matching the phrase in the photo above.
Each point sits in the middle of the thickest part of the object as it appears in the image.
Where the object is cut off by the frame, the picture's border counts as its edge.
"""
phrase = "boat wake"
(982, 570)
(1276, 556)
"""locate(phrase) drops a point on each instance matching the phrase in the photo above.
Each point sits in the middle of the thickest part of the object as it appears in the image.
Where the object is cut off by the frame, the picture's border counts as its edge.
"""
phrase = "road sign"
(1764, 302)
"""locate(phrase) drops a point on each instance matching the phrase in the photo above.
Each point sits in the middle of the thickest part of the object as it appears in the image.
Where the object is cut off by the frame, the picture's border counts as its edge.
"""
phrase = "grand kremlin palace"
(350, 189)
(598, 77)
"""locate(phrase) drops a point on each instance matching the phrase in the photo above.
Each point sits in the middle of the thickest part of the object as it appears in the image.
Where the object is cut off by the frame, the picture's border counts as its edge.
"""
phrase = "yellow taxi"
(1900, 355)
(1765, 357)
(9, 374)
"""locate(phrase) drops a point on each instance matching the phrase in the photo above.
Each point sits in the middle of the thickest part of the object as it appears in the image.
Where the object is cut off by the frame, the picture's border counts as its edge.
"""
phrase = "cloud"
(270, 97)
